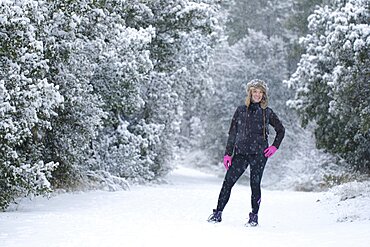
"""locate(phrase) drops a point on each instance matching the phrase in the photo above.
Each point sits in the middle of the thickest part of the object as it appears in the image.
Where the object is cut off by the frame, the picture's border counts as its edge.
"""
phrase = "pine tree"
(332, 80)
(184, 33)
(96, 90)
(116, 64)
(29, 102)
(267, 16)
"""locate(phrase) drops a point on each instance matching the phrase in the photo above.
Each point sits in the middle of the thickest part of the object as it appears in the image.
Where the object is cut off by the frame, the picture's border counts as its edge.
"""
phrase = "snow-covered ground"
(174, 214)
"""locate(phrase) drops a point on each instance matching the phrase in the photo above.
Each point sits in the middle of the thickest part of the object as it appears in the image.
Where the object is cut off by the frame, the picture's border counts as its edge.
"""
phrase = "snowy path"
(175, 215)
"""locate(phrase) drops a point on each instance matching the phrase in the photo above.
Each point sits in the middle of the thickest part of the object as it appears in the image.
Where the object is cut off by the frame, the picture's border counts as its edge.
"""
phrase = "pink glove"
(270, 151)
(227, 161)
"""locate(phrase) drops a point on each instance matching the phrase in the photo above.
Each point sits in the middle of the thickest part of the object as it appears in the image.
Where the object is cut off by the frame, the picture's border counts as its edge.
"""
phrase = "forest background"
(105, 93)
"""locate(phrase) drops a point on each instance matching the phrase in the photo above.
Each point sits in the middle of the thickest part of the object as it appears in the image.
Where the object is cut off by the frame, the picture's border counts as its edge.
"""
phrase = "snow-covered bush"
(28, 101)
(94, 90)
(184, 35)
(68, 139)
(332, 80)
(120, 62)
(129, 152)
(127, 61)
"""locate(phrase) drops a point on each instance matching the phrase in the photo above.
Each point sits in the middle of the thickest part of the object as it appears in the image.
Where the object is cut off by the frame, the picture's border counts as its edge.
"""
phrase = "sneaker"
(253, 219)
(215, 217)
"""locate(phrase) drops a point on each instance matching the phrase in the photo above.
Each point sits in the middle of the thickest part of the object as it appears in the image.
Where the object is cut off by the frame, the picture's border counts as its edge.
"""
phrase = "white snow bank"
(350, 201)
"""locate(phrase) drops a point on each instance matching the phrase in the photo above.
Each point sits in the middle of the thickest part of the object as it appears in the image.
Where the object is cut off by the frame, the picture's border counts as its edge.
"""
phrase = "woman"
(247, 145)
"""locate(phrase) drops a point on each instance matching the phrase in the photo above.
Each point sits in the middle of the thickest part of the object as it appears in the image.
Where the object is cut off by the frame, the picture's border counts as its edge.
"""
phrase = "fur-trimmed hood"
(260, 84)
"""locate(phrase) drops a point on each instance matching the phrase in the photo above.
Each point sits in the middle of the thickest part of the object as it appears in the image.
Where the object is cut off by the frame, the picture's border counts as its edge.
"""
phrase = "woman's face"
(257, 95)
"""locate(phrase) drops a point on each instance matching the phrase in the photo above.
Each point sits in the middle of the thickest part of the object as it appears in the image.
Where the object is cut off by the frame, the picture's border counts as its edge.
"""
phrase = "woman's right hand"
(227, 161)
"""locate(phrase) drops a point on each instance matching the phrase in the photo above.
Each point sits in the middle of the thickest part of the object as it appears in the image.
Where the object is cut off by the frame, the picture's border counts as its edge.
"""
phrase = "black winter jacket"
(248, 133)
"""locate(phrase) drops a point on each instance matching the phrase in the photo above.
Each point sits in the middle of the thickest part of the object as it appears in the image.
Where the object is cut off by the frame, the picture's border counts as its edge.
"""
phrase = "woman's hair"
(256, 83)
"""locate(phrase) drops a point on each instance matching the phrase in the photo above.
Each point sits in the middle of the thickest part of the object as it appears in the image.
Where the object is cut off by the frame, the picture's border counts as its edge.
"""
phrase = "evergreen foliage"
(93, 91)
(28, 102)
(256, 48)
(332, 80)
(297, 24)
(101, 93)
(266, 16)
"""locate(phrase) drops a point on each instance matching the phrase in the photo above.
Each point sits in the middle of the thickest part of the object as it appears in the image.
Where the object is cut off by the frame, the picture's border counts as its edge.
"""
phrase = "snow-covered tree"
(146, 49)
(184, 33)
(69, 139)
(112, 58)
(92, 89)
(267, 16)
(296, 24)
(332, 80)
(28, 101)
(297, 20)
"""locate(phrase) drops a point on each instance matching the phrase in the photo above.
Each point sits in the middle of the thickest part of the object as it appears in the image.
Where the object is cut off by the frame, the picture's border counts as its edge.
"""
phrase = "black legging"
(240, 163)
